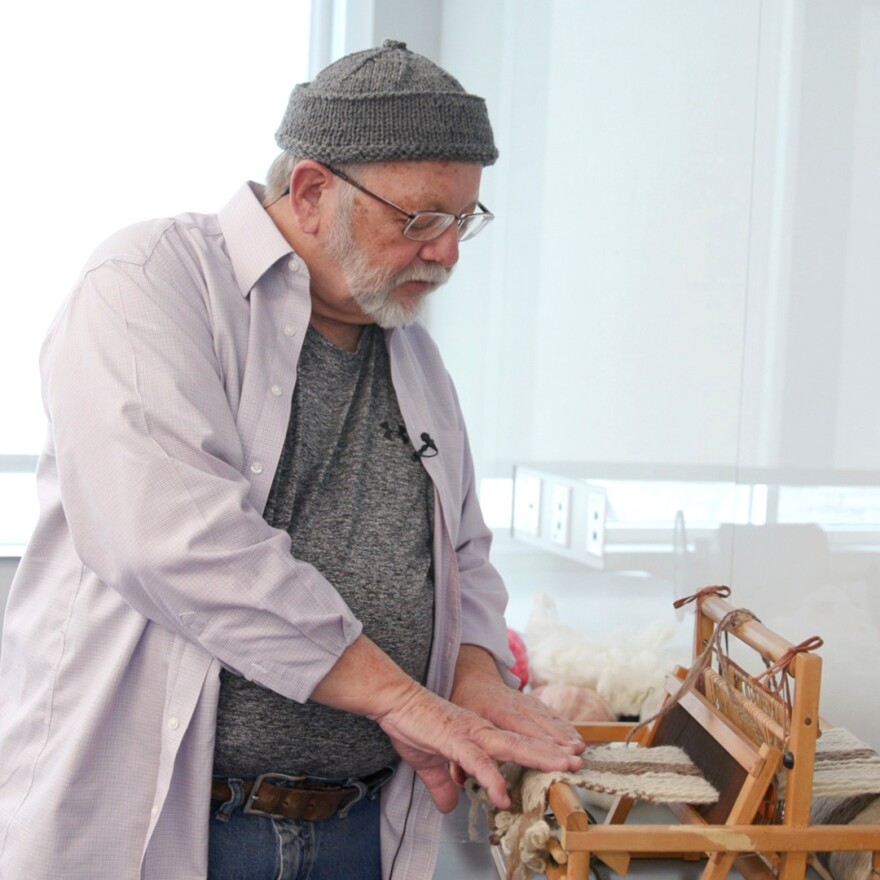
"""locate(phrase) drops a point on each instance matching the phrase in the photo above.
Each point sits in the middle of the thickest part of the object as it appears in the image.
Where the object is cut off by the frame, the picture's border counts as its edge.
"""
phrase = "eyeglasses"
(428, 225)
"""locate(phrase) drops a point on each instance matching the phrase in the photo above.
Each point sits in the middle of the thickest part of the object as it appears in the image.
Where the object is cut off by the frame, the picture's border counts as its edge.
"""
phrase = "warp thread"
(727, 623)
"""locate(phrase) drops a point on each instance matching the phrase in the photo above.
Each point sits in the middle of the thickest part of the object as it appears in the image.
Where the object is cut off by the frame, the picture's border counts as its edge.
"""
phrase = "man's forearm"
(475, 663)
(364, 680)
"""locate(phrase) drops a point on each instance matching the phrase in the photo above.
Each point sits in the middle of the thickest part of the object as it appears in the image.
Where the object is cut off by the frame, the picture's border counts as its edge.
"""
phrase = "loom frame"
(741, 833)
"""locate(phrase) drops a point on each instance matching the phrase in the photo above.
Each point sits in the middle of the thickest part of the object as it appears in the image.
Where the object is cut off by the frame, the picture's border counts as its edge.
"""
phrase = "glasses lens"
(472, 224)
(426, 225)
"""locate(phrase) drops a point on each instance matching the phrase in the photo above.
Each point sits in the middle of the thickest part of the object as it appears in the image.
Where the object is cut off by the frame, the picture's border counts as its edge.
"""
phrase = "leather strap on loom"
(720, 590)
(782, 664)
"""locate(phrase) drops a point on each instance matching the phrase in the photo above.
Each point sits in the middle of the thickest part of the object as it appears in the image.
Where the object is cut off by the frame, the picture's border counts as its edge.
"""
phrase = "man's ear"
(310, 184)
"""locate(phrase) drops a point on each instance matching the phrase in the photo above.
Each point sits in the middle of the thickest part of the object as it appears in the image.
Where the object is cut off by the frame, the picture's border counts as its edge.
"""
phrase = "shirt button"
(294, 264)
(256, 468)
(289, 330)
(173, 723)
(276, 390)
(154, 812)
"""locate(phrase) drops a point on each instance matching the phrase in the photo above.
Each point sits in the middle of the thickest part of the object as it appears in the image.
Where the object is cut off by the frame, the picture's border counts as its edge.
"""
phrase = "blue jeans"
(244, 846)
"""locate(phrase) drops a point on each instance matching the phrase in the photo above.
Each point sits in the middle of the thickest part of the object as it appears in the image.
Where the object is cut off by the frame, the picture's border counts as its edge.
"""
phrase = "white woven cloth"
(661, 774)
(844, 765)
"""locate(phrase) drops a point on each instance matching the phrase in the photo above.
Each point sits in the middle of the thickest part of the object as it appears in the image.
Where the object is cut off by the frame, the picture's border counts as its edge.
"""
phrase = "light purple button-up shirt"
(167, 380)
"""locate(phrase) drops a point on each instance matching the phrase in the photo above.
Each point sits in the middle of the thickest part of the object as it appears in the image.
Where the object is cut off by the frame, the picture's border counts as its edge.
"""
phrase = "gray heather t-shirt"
(359, 508)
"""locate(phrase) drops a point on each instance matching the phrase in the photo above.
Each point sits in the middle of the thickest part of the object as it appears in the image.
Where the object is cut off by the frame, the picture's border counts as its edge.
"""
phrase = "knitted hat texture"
(386, 104)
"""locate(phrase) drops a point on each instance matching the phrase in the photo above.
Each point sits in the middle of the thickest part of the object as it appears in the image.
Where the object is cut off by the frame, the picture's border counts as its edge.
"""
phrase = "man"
(256, 632)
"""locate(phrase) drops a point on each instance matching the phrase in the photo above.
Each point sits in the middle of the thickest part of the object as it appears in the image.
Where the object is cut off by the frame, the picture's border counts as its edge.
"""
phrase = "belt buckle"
(355, 789)
(253, 797)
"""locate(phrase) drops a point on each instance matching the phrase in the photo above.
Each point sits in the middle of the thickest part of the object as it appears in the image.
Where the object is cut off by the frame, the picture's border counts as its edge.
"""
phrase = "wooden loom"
(755, 741)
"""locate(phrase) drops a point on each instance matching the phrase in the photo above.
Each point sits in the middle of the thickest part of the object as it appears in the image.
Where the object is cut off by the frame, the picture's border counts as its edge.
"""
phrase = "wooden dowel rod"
(723, 838)
(752, 632)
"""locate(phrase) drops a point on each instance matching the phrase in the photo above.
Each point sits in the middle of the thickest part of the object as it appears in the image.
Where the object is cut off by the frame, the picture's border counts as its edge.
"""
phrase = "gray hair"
(278, 176)
(278, 179)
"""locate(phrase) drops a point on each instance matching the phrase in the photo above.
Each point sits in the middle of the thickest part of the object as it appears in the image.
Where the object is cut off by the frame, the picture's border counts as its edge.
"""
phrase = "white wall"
(687, 212)
(642, 282)
(685, 270)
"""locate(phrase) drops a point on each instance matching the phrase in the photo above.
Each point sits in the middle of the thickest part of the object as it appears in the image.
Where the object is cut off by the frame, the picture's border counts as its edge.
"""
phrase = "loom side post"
(807, 672)
(571, 816)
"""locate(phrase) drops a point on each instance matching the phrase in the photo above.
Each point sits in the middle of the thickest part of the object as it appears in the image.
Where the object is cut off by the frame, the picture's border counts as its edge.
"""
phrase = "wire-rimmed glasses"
(428, 225)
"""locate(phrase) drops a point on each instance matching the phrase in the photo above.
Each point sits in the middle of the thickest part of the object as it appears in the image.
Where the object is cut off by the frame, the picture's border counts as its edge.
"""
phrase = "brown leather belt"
(280, 796)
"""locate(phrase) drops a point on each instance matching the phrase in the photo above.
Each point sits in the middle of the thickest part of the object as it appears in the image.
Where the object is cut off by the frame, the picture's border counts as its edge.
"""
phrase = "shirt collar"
(253, 241)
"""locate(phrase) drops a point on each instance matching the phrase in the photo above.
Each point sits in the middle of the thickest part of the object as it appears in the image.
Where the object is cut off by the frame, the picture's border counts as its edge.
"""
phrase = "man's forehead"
(427, 175)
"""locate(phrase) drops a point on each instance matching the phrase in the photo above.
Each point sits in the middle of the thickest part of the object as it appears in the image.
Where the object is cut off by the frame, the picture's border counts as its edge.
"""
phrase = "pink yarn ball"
(578, 704)
(520, 666)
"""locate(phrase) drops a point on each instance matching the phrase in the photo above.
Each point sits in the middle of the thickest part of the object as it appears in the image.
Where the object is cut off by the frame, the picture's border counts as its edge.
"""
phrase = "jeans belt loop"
(236, 799)
(360, 795)
(382, 776)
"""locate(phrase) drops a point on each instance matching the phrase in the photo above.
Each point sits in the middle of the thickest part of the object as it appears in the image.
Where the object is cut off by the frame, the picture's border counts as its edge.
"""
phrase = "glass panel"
(18, 511)
(143, 142)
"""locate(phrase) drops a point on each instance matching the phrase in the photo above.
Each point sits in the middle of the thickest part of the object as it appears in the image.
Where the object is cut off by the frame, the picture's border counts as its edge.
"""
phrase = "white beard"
(372, 287)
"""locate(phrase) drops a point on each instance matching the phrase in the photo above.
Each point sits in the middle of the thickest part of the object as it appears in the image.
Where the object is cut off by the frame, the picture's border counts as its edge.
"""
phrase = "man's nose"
(443, 249)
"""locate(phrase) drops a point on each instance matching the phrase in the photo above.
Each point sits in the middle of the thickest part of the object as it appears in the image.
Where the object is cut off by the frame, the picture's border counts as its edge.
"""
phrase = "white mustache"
(432, 273)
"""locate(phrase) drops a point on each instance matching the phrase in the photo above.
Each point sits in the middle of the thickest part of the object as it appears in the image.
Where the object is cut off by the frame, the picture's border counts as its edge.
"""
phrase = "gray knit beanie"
(386, 104)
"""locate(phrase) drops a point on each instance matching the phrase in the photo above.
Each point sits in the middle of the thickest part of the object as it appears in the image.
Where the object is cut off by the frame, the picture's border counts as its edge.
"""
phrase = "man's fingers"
(531, 717)
(521, 713)
(560, 730)
(440, 786)
(459, 777)
(429, 732)
(529, 751)
(437, 774)
(480, 757)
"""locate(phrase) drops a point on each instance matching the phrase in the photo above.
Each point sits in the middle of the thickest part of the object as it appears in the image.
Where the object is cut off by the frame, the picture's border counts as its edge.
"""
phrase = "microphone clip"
(428, 449)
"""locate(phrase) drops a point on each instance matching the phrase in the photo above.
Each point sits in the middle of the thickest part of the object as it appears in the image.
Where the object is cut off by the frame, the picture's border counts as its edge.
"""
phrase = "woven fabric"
(853, 810)
(844, 766)
(662, 774)
(846, 791)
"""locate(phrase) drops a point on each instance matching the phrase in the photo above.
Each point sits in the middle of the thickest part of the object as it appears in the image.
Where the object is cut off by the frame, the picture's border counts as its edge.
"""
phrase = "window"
(114, 113)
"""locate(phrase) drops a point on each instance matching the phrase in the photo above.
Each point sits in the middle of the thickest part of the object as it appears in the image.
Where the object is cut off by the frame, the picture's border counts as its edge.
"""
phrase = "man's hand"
(433, 735)
(478, 686)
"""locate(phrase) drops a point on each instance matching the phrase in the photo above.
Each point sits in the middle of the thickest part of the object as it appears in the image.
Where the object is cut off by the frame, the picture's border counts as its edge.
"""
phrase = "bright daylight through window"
(118, 113)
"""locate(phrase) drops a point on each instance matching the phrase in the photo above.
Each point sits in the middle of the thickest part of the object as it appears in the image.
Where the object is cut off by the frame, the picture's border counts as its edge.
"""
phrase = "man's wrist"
(365, 681)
